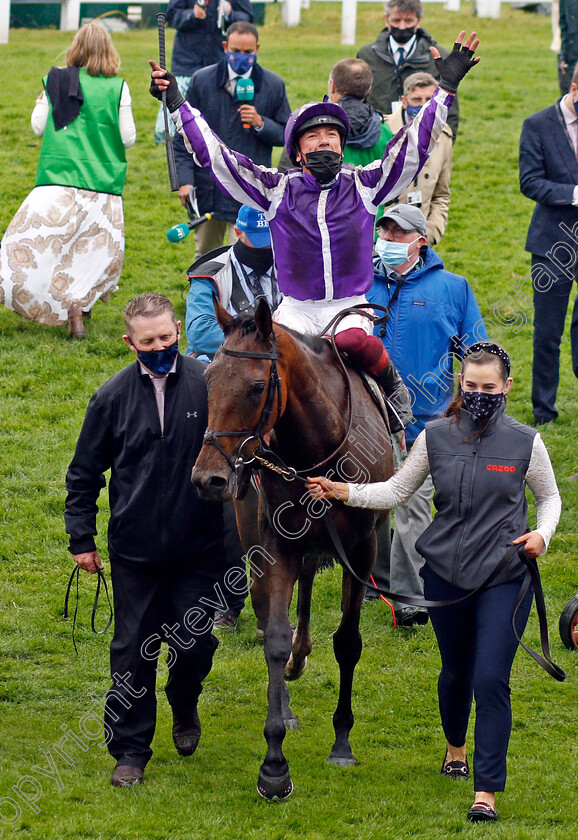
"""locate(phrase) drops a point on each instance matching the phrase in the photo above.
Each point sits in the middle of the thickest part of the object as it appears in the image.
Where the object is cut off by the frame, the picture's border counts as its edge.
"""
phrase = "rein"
(532, 576)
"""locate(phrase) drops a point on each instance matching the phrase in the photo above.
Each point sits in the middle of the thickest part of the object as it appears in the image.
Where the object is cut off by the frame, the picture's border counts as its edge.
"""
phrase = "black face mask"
(324, 165)
(481, 404)
(259, 259)
(402, 36)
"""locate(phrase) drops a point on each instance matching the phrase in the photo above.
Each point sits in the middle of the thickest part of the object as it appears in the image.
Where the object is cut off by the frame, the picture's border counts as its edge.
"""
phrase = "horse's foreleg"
(274, 777)
(247, 513)
(347, 647)
(302, 642)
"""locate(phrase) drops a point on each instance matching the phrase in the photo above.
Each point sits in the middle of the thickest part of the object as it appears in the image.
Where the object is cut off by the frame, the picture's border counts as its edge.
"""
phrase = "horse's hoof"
(291, 723)
(293, 673)
(341, 761)
(275, 788)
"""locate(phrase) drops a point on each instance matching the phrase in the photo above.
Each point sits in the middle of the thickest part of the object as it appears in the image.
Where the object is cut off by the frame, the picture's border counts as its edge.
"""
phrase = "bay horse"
(265, 379)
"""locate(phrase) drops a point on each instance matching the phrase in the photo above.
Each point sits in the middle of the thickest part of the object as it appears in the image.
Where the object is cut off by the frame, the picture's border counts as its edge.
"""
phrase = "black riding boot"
(398, 398)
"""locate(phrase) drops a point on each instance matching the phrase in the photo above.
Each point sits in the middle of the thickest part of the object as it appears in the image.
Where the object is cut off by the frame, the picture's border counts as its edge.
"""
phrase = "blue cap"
(255, 226)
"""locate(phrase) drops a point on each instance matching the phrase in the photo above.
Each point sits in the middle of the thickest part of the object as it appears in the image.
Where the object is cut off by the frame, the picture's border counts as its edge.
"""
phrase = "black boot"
(398, 398)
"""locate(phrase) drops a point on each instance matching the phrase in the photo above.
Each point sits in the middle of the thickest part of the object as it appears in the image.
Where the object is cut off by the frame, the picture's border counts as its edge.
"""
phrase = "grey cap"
(406, 216)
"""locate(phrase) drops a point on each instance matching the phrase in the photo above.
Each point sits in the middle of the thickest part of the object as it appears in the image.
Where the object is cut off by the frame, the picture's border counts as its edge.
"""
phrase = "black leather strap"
(532, 577)
(100, 582)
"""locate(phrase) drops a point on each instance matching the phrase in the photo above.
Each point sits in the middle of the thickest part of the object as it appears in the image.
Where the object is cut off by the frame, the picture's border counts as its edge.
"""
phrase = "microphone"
(245, 92)
(178, 232)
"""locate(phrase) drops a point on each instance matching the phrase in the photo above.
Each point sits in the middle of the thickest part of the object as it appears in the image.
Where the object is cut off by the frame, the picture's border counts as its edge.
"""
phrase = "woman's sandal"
(455, 769)
(482, 812)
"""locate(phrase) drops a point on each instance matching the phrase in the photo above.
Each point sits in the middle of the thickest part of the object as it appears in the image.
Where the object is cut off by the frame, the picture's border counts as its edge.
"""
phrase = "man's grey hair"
(418, 80)
(147, 305)
(404, 6)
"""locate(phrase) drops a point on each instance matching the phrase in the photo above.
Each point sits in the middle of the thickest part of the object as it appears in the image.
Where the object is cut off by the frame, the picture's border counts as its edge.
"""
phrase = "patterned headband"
(488, 347)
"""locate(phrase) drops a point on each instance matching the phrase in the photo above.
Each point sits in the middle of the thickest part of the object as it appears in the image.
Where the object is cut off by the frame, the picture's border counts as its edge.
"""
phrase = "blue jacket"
(435, 314)
(208, 93)
(548, 174)
(216, 273)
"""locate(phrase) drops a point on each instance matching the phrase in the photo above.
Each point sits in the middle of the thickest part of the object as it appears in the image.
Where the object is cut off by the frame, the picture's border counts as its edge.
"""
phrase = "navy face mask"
(481, 404)
(412, 111)
(159, 362)
(241, 62)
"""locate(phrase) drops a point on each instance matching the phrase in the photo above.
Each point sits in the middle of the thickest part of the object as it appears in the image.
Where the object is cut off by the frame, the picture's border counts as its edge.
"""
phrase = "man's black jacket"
(208, 93)
(156, 514)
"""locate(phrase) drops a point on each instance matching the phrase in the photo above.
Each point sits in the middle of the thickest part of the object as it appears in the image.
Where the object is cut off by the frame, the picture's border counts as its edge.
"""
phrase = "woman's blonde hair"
(93, 48)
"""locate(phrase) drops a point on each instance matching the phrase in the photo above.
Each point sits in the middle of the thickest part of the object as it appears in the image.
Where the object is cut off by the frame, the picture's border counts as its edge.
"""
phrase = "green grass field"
(45, 382)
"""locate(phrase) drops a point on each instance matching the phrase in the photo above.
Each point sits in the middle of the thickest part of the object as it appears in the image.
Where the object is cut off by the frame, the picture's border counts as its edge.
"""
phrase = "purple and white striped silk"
(322, 238)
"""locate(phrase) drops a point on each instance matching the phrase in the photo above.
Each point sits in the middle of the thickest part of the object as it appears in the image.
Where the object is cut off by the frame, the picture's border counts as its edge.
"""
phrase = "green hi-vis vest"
(88, 153)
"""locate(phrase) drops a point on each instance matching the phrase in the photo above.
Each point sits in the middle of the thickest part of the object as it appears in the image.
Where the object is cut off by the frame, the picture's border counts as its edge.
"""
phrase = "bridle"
(262, 453)
(274, 388)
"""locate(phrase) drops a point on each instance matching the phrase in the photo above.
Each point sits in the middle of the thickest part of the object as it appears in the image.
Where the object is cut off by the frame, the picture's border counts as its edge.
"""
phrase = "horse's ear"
(263, 319)
(224, 318)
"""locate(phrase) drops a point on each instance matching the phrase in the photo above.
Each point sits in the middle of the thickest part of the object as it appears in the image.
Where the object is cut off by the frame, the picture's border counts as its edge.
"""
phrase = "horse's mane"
(247, 325)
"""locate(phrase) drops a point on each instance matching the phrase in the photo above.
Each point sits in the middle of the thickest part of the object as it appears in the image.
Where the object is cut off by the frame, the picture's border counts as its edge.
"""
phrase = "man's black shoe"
(186, 733)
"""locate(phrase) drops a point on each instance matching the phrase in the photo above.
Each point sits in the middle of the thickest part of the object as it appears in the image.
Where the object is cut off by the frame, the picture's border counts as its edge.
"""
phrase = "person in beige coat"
(431, 189)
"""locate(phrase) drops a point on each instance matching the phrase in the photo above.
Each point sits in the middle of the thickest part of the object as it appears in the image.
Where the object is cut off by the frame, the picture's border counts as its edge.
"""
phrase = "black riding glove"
(453, 68)
(174, 97)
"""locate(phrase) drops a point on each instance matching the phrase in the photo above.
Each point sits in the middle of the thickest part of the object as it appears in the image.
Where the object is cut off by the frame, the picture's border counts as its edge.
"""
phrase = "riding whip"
(161, 22)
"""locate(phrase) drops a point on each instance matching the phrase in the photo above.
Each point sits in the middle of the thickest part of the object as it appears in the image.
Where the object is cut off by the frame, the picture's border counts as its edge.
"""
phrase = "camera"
(202, 4)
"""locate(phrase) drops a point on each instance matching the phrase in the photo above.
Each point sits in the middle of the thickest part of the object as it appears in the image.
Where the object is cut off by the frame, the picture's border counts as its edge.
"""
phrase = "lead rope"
(101, 581)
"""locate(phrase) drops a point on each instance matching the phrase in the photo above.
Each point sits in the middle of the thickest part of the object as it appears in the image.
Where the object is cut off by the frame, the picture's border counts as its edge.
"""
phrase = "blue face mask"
(393, 253)
(241, 62)
(159, 362)
(412, 111)
(482, 404)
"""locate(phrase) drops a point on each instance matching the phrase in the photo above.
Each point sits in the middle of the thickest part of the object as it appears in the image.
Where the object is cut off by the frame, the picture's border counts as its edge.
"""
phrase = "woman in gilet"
(480, 461)
(64, 248)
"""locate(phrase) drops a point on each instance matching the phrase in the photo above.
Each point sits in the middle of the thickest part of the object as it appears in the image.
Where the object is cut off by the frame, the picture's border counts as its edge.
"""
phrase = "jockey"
(322, 214)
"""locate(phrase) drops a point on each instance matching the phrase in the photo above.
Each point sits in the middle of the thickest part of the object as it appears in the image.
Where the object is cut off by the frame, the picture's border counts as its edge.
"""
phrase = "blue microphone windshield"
(178, 232)
(245, 90)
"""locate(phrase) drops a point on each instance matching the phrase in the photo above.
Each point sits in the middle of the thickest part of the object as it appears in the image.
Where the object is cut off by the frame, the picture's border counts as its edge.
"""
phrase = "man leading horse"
(322, 214)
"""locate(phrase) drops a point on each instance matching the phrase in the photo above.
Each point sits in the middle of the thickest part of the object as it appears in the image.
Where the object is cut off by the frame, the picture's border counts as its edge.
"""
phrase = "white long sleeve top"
(125, 117)
(539, 478)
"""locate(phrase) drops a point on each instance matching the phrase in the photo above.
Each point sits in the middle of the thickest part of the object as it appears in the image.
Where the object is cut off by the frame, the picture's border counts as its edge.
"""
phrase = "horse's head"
(245, 399)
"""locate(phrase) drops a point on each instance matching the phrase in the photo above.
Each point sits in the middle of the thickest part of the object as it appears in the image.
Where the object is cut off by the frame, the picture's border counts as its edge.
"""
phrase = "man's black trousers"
(155, 604)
